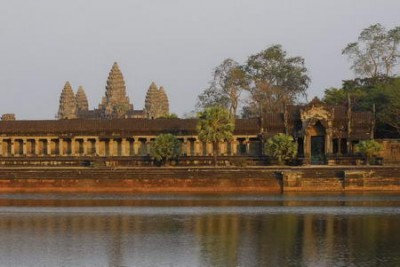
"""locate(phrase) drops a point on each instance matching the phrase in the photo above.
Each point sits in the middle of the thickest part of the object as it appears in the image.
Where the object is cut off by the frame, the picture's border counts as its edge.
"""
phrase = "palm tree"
(215, 125)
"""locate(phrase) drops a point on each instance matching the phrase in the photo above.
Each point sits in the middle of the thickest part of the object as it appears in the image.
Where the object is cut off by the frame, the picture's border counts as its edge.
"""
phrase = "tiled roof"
(123, 127)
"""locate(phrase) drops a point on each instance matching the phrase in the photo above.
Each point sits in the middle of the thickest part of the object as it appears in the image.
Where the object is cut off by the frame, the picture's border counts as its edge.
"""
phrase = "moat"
(291, 229)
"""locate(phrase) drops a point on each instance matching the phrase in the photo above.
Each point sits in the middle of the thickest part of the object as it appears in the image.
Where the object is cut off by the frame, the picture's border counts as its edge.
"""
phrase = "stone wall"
(200, 180)
(390, 151)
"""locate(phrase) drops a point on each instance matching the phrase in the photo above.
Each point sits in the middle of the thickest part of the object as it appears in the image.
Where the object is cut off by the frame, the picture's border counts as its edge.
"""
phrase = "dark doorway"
(318, 149)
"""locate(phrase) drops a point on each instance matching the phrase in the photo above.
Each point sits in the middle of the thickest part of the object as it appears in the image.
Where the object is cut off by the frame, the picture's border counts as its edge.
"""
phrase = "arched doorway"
(316, 134)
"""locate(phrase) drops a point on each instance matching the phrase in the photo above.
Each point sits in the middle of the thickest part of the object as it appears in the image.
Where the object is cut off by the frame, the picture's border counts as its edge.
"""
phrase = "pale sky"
(175, 43)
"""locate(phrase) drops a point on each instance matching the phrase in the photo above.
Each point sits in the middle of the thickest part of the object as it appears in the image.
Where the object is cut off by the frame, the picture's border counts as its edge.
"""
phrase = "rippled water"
(200, 230)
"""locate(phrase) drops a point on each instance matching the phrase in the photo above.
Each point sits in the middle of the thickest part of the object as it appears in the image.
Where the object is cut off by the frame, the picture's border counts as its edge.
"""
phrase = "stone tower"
(115, 104)
(81, 100)
(164, 104)
(67, 108)
(151, 102)
(156, 103)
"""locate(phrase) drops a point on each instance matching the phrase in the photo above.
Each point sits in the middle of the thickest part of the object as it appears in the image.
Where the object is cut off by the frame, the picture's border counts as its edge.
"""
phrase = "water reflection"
(353, 230)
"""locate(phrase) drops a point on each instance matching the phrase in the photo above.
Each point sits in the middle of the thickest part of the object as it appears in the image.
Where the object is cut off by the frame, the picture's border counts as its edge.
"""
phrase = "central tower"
(115, 104)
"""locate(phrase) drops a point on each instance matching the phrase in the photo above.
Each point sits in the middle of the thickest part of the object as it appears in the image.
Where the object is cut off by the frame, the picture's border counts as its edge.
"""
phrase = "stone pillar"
(222, 147)
(1, 146)
(136, 144)
(12, 148)
(85, 146)
(36, 145)
(60, 147)
(329, 144)
(183, 146)
(48, 146)
(96, 146)
(188, 145)
(234, 144)
(197, 147)
(123, 147)
(247, 142)
(24, 147)
(349, 146)
(148, 145)
(209, 149)
(73, 147)
(307, 146)
(111, 147)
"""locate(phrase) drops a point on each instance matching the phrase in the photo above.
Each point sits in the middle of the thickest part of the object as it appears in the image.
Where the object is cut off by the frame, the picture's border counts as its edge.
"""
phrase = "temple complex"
(115, 129)
(115, 103)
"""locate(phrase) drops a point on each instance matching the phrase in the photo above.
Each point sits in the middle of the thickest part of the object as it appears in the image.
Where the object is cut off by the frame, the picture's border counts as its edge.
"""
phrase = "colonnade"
(119, 146)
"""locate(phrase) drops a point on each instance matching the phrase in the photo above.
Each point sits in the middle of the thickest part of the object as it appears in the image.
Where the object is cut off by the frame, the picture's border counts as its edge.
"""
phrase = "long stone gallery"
(115, 135)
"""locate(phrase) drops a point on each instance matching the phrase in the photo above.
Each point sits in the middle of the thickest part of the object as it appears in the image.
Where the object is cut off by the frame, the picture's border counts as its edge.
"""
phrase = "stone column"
(123, 147)
(349, 146)
(1, 146)
(60, 147)
(12, 148)
(247, 142)
(209, 149)
(148, 145)
(196, 147)
(96, 146)
(222, 147)
(234, 144)
(329, 141)
(73, 147)
(24, 147)
(136, 144)
(111, 147)
(85, 146)
(307, 146)
(183, 147)
(48, 146)
(36, 145)
(188, 145)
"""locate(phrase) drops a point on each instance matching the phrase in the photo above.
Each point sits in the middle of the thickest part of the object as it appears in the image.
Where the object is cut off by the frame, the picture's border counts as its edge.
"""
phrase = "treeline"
(270, 79)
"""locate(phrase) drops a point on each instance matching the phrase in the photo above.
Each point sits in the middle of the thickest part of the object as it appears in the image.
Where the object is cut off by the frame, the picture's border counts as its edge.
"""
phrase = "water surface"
(200, 230)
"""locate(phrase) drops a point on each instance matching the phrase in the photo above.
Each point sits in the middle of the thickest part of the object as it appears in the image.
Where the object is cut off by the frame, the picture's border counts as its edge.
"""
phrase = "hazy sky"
(175, 43)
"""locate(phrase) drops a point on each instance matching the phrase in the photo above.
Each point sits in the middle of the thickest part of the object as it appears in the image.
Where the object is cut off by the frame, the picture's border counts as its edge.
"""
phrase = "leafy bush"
(281, 147)
(165, 148)
(369, 149)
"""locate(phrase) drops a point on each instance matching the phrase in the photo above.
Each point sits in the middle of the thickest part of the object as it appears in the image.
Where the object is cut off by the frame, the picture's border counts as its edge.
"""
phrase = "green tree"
(169, 116)
(281, 147)
(165, 148)
(368, 149)
(367, 93)
(390, 110)
(276, 79)
(376, 53)
(229, 80)
(215, 125)
(335, 96)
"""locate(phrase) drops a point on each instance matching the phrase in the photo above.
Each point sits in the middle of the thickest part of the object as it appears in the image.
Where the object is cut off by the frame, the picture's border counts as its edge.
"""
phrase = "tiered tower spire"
(164, 103)
(115, 104)
(67, 108)
(81, 100)
(156, 103)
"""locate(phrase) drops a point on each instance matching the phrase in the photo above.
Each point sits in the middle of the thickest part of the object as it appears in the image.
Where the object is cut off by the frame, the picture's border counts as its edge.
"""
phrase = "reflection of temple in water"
(68, 239)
